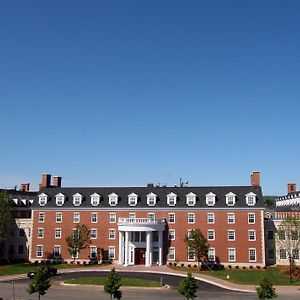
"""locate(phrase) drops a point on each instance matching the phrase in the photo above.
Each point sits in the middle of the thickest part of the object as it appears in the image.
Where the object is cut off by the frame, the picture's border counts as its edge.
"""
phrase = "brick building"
(147, 225)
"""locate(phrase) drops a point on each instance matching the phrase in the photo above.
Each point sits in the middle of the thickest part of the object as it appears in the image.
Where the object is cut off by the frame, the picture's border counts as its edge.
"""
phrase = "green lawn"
(125, 281)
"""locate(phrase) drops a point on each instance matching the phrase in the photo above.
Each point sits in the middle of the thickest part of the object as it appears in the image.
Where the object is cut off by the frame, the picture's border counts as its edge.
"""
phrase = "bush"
(266, 290)
(229, 266)
(251, 267)
(175, 264)
(195, 266)
(244, 268)
(237, 267)
(257, 267)
(189, 265)
(182, 265)
(170, 264)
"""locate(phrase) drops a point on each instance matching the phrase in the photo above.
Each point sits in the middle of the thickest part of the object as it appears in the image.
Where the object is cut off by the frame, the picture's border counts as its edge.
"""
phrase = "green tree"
(266, 290)
(41, 283)
(197, 243)
(5, 216)
(78, 240)
(112, 285)
(188, 287)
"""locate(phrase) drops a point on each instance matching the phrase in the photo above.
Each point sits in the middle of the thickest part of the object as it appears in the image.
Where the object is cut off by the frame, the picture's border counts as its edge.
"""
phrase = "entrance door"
(140, 254)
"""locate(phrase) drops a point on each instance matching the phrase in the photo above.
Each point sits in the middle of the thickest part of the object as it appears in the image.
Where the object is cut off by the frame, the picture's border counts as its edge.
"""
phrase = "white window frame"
(94, 220)
(41, 217)
(55, 231)
(111, 252)
(112, 234)
(173, 254)
(231, 252)
(210, 218)
(113, 199)
(228, 235)
(57, 219)
(95, 199)
(252, 215)
(132, 199)
(173, 217)
(151, 199)
(93, 250)
(282, 251)
(39, 248)
(151, 216)
(60, 199)
(251, 235)
(211, 253)
(94, 233)
(211, 234)
(43, 199)
(230, 218)
(189, 233)
(59, 251)
(191, 255)
(190, 199)
(172, 235)
(77, 199)
(252, 249)
(76, 217)
(112, 217)
(132, 217)
(42, 231)
(230, 199)
(210, 199)
(250, 199)
(191, 218)
(171, 199)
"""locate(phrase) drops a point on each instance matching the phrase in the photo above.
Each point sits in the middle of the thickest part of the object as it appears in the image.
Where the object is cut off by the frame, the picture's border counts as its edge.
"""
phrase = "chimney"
(56, 181)
(46, 180)
(255, 178)
(25, 187)
(291, 187)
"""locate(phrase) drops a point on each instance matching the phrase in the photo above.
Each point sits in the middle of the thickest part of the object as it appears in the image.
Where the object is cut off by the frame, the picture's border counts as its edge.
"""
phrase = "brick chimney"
(56, 181)
(255, 178)
(25, 187)
(46, 181)
(292, 187)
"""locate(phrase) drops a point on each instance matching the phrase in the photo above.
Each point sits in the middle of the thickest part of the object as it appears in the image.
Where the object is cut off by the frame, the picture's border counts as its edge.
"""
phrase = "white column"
(148, 245)
(121, 247)
(126, 248)
(160, 247)
(150, 251)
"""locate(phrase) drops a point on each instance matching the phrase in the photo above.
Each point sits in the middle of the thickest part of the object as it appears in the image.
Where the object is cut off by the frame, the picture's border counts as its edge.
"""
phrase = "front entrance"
(140, 254)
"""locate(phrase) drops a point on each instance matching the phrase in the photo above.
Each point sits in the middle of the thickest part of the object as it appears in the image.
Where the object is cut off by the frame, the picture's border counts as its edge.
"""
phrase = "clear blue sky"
(131, 92)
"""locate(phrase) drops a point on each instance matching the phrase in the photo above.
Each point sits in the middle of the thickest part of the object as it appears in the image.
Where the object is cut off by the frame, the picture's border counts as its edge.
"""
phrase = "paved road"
(59, 292)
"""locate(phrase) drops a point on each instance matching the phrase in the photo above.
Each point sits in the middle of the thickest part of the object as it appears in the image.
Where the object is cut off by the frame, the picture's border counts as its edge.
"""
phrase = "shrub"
(195, 266)
(266, 290)
(229, 266)
(257, 267)
(237, 267)
(244, 268)
(251, 267)
(182, 265)
(174, 264)
(189, 265)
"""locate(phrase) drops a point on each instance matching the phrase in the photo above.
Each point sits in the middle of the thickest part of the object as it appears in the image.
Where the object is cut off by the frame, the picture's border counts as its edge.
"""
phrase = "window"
(20, 249)
(251, 218)
(60, 199)
(211, 218)
(113, 199)
(171, 218)
(111, 252)
(132, 217)
(58, 217)
(191, 218)
(132, 199)
(21, 232)
(295, 253)
(29, 232)
(76, 217)
(75, 232)
(231, 254)
(295, 235)
(43, 199)
(282, 254)
(41, 218)
(191, 199)
(151, 217)
(171, 234)
(112, 218)
(11, 249)
(112, 234)
(189, 234)
(93, 252)
(251, 199)
(251, 235)
(56, 251)
(171, 199)
(230, 199)
(270, 235)
(95, 199)
(40, 233)
(211, 254)
(252, 255)
(231, 235)
(171, 253)
(210, 199)
(57, 233)
(281, 235)
(39, 251)
(151, 199)
(191, 254)
(210, 234)
(230, 218)
(93, 233)
(94, 217)
(77, 199)
(271, 254)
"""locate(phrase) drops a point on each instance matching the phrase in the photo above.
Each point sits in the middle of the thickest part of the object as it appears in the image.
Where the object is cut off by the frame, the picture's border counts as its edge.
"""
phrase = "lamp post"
(291, 261)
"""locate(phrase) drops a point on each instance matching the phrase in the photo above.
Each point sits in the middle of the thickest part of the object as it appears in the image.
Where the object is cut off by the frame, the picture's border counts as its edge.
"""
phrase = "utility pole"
(13, 289)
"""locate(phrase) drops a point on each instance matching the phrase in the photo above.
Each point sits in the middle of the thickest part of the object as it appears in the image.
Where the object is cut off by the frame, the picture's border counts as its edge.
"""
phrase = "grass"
(125, 281)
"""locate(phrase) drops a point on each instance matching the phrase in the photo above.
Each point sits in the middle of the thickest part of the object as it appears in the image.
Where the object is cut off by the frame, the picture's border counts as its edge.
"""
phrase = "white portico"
(141, 241)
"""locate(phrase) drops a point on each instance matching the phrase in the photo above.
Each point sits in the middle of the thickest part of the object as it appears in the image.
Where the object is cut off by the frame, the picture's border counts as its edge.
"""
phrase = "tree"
(188, 287)
(78, 240)
(41, 282)
(266, 290)
(197, 243)
(269, 202)
(288, 241)
(112, 285)
(5, 216)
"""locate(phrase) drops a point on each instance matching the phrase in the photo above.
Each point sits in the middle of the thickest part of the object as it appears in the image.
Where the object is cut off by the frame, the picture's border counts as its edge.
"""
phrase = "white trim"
(193, 218)
(210, 199)
(94, 213)
(95, 199)
(151, 197)
(95, 230)
(250, 249)
(214, 234)
(55, 233)
(60, 199)
(77, 199)
(171, 199)
(190, 199)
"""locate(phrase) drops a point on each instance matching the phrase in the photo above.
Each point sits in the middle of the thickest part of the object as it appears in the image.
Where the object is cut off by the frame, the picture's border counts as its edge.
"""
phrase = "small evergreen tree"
(40, 284)
(5, 216)
(112, 285)
(266, 290)
(188, 287)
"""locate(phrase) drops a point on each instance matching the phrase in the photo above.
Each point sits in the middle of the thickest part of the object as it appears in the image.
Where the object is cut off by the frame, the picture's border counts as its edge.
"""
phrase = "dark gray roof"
(161, 193)
(20, 195)
(287, 208)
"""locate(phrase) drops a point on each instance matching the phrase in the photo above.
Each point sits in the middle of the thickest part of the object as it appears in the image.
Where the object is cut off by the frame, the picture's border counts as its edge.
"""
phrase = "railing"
(141, 221)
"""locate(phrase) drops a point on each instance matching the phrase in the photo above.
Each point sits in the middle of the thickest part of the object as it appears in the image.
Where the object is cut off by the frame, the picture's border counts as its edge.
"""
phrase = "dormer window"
(171, 199)
(151, 199)
(43, 198)
(113, 199)
(77, 199)
(60, 199)
(95, 199)
(230, 199)
(210, 199)
(250, 199)
(191, 199)
(132, 199)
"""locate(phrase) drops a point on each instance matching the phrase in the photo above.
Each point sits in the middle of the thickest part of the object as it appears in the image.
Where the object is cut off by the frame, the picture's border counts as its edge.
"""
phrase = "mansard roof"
(161, 196)
(18, 197)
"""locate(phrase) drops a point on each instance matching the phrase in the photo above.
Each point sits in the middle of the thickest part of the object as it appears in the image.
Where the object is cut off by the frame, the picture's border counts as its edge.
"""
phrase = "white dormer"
(151, 199)
(230, 199)
(210, 199)
(60, 199)
(113, 199)
(77, 199)
(43, 198)
(95, 199)
(171, 199)
(191, 199)
(132, 199)
(250, 199)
